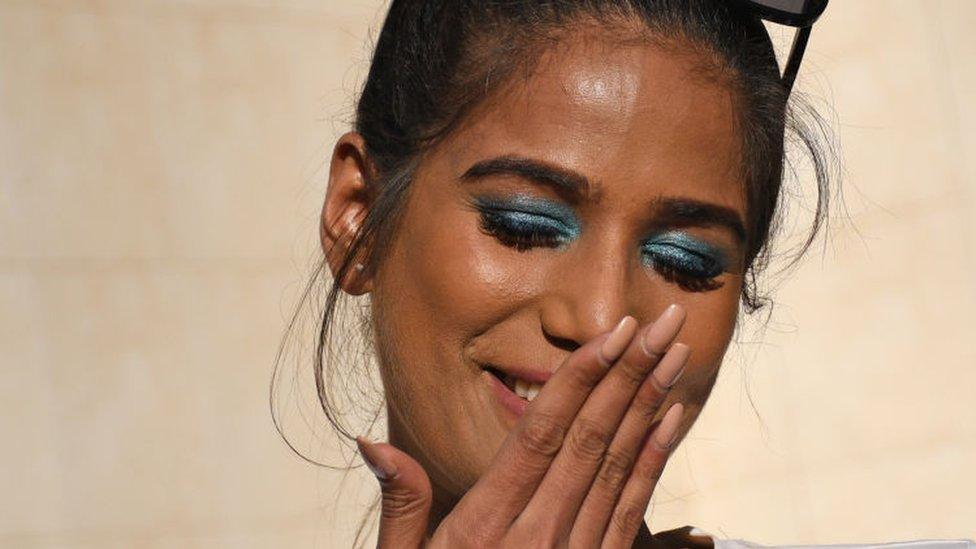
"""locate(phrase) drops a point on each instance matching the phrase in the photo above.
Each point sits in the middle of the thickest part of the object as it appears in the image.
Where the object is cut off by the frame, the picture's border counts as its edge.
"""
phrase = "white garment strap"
(917, 544)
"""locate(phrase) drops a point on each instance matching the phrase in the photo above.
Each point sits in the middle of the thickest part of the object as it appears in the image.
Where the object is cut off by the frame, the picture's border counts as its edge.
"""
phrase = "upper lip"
(527, 373)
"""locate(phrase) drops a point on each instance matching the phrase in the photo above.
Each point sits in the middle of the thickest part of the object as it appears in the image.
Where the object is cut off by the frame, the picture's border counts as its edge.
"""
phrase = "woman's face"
(606, 184)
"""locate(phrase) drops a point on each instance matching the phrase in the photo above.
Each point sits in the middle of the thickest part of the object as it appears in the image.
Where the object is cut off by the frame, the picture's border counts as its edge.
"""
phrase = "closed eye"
(683, 259)
(685, 268)
(526, 223)
(523, 221)
(524, 231)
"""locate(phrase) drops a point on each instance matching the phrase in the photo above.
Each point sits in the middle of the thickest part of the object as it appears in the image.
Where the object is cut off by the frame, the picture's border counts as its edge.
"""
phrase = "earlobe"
(344, 210)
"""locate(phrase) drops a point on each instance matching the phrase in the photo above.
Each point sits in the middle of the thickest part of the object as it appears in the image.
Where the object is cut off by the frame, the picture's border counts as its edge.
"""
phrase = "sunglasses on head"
(793, 13)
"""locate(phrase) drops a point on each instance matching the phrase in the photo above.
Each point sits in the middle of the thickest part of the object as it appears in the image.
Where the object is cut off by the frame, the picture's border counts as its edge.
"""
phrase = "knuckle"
(650, 470)
(587, 440)
(542, 435)
(584, 375)
(633, 373)
(627, 519)
(646, 403)
(470, 536)
(535, 533)
(614, 471)
(585, 367)
(397, 504)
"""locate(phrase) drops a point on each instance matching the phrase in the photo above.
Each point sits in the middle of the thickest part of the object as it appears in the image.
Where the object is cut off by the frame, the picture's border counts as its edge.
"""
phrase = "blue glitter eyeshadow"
(526, 213)
(686, 253)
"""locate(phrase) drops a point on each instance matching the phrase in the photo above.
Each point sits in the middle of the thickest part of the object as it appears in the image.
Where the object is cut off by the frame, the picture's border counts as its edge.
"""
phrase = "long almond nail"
(383, 468)
(657, 337)
(667, 431)
(672, 365)
(620, 337)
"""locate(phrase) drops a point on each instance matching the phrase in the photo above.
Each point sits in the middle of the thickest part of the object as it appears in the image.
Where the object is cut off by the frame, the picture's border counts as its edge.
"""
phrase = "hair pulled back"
(436, 60)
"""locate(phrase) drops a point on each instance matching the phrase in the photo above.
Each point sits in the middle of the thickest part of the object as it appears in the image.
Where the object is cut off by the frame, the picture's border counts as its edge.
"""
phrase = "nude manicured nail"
(383, 468)
(620, 337)
(657, 337)
(672, 365)
(667, 431)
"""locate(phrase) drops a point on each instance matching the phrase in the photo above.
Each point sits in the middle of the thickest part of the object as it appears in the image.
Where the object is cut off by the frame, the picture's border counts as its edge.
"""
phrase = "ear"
(345, 208)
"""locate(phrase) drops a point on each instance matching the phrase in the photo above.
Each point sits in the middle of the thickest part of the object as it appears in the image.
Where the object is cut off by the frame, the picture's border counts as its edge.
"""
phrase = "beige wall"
(161, 165)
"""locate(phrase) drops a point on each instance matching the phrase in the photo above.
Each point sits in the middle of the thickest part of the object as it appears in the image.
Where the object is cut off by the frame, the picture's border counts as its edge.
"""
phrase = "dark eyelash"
(686, 280)
(517, 235)
(523, 238)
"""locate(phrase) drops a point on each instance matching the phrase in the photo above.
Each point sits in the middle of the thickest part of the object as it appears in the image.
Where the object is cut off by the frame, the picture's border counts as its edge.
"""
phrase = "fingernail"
(657, 337)
(672, 365)
(667, 431)
(620, 337)
(383, 468)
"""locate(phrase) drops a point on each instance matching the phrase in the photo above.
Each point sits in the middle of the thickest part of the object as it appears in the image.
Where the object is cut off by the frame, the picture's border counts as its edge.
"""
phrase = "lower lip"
(510, 401)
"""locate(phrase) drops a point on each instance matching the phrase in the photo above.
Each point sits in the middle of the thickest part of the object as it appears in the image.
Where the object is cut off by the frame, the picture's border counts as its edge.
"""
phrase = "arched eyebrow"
(667, 210)
(538, 171)
(690, 212)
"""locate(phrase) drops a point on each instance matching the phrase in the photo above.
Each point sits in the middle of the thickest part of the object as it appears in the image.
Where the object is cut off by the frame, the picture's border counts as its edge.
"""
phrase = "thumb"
(406, 494)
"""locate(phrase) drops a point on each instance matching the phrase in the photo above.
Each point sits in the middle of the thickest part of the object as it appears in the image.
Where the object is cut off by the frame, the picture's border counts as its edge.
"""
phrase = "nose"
(588, 298)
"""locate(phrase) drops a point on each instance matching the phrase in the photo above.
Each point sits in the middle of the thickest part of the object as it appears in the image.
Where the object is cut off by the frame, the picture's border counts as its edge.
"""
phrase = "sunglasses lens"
(792, 7)
(796, 13)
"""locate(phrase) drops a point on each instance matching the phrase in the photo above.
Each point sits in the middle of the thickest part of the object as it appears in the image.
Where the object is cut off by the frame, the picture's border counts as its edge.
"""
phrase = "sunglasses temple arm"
(796, 54)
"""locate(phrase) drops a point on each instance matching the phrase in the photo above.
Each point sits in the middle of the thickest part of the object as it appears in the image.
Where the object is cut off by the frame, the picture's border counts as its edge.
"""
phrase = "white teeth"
(527, 390)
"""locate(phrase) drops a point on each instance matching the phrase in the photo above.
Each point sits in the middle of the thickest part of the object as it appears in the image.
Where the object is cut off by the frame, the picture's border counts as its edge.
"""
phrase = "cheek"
(455, 276)
(442, 284)
(708, 331)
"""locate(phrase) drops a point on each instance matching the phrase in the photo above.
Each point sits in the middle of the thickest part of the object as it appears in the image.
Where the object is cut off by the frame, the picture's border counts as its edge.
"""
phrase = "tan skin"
(640, 123)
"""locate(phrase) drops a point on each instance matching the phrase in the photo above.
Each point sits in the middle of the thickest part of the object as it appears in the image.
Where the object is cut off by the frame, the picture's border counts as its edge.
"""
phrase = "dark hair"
(436, 60)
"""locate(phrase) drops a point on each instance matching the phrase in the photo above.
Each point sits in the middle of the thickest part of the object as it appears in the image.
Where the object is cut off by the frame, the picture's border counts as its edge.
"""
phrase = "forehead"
(634, 119)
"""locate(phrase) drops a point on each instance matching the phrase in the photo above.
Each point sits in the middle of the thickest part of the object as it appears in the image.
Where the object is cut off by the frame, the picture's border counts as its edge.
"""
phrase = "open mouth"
(522, 388)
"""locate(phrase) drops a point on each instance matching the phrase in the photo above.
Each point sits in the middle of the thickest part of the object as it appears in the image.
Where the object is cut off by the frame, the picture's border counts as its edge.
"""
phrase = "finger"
(591, 520)
(628, 514)
(568, 480)
(523, 459)
(406, 494)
